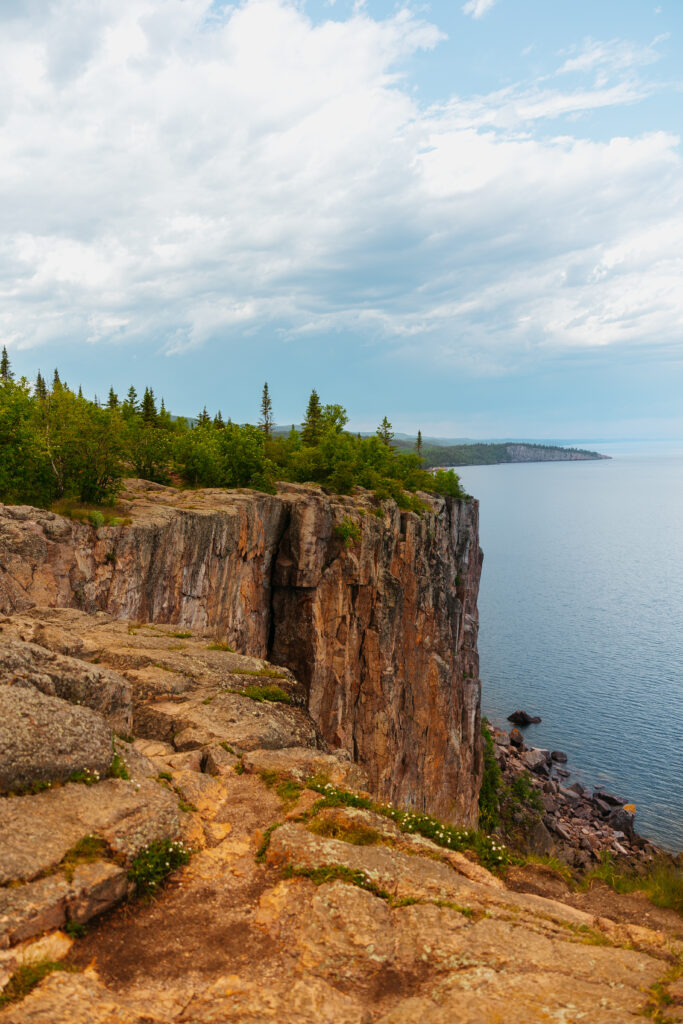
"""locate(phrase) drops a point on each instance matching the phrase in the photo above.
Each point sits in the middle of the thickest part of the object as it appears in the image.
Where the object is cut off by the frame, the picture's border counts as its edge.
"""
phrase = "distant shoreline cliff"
(437, 456)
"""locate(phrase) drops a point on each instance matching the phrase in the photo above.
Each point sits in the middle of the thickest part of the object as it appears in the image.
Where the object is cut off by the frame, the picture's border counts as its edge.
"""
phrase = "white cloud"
(171, 174)
(477, 7)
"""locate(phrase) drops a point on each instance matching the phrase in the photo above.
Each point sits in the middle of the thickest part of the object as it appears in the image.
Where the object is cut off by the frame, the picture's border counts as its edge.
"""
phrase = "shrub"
(490, 784)
(152, 866)
(268, 693)
(348, 531)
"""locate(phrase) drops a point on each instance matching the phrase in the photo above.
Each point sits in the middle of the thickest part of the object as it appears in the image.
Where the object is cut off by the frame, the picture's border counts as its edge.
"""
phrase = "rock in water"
(558, 756)
(45, 739)
(516, 738)
(523, 718)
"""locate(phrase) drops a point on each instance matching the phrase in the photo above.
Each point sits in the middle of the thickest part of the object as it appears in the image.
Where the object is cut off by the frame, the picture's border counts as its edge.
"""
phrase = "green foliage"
(357, 834)
(336, 872)
(152, 866)
(489, 793)
(348, 531)
(265, 842)
(85, 776)
(663, 883)
(221, 647)
(25, 979)
(75, 930)
(56, 445)
(87, 850)
(275, 694)
(490, 851)
(118, 768)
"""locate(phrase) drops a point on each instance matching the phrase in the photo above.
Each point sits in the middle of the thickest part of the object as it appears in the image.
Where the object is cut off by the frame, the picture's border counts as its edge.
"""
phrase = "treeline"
(57, 444)
(490, 453)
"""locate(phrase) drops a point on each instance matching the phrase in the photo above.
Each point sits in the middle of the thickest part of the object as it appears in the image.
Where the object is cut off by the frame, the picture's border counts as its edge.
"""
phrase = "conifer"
(418, 443)
(266, 421)
(310, 432)
(218, 421)
(384, 432)
(5, 368)
(41, 388)
(132, 400)
(113, 399)
(203, 420)
(149, 409)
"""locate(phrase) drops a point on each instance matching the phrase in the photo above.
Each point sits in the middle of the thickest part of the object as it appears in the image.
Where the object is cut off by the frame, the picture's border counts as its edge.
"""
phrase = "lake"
(581, 617)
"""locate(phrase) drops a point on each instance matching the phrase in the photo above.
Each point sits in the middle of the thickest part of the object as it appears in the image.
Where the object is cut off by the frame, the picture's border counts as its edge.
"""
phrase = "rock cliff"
(373, 608)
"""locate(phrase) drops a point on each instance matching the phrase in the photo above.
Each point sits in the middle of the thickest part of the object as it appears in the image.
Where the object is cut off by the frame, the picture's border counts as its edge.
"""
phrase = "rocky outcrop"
(373, 608)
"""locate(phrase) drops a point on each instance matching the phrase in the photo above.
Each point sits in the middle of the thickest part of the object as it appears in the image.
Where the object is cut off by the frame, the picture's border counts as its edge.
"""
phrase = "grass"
(262, 673)
(25, 979)
(94, 515)
(658, 997)
(265, 842)
(165, 776)
(221, 647)
(152, 866)
(337, 873)
(288, 790)
(663, 884)
(275, 694)
(228, 749)
(491, 853)
(118, 768)
(86, 851)
(181, 636)
(85, 776)
(552, 864)
(357, 834)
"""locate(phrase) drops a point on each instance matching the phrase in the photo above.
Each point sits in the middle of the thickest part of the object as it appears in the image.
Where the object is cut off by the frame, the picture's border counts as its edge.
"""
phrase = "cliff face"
(382, 632)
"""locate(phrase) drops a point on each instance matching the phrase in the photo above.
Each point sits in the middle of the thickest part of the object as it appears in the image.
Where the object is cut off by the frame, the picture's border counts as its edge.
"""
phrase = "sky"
(466, 215)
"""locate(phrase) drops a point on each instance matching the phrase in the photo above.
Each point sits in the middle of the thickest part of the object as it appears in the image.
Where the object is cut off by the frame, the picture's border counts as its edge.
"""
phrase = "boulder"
(523, 718)
(44, 739)
(608, 798)
(622, 820)
(536, 760)
(558, 756)
(516, 738)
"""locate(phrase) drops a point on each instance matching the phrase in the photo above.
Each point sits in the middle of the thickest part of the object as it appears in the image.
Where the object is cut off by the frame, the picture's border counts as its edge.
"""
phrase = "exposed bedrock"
(378, 621)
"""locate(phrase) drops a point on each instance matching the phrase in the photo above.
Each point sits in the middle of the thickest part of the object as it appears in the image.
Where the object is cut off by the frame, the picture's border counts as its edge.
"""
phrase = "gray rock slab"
(73, 680)
(46, 739)
(37, 831)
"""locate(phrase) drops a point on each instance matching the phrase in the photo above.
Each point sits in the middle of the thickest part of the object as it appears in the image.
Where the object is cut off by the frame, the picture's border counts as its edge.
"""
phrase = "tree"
(385, 433)
(41, 388)
(149, 409)
(418, 443)
(218, 421)
(310, 433)
(113, 399)
(203, 420)
(5, 368)
(56, 382)
(266, 421)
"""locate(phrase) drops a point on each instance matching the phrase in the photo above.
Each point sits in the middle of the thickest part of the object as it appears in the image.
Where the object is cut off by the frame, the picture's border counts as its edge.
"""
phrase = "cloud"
(175, 174)
(478, 7)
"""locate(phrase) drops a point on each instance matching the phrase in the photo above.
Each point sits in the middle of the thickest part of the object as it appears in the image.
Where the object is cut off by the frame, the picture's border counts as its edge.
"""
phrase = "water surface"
(581, 617)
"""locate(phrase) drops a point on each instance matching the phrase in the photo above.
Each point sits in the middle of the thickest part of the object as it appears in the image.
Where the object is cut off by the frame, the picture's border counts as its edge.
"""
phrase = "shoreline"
(574, 822)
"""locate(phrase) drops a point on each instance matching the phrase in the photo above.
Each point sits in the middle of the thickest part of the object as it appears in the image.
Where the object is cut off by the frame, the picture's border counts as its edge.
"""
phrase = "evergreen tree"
(113, 399)
(5, 368)
(149, 409)
(56, 382)
(385, 433)
(310, 433)
(80, 394)
(41, 389)
(266, 421)
(203, 420)
(418, 443)
(218, 421)
(130, 406)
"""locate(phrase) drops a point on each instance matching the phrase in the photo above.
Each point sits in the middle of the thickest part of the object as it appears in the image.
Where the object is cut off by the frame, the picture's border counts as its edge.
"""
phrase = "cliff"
(380, 626)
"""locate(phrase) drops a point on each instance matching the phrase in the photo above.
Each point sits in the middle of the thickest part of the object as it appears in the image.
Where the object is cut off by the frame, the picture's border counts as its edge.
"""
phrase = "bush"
(489, 794)
(152, 866)
(348, 531)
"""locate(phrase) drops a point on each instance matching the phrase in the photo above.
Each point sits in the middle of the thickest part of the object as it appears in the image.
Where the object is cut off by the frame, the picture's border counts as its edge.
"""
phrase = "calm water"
(581, 617)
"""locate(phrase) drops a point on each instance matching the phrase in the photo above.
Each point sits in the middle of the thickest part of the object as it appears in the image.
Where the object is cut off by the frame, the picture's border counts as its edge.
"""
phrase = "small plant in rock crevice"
(25, 979)
(151, 866)
(348, 532)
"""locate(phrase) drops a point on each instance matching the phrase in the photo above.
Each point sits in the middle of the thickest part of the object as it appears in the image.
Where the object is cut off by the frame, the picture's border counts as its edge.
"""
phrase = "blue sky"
(467, 216)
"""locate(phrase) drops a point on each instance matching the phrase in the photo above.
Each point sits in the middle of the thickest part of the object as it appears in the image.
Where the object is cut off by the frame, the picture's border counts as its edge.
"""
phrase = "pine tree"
(218, 421)
(56, 382)
(384, 432)
(418, 443)
(41, 389)
(310, 433)
(113, 399)
(149, 409)
(203, 420)
(266, 421)
(80, 394)
(131, 403)
(5, 368)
